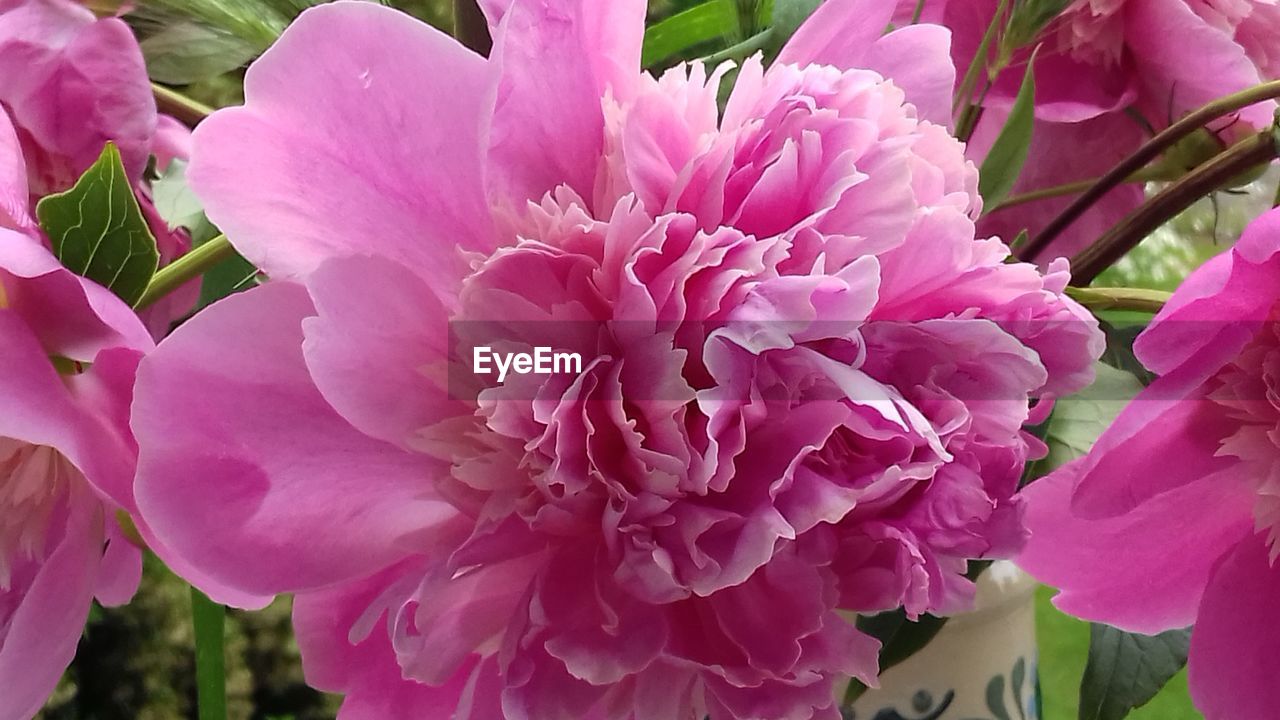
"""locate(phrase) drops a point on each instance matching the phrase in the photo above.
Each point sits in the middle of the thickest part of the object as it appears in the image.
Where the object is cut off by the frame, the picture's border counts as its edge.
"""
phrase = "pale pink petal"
(838, 34)
(15, 195)
(378, 351)
(404, 181)
(247, 473)
(555, 61)
(1144, 571)
(121, 569)
(1234, 663)
(917, 58)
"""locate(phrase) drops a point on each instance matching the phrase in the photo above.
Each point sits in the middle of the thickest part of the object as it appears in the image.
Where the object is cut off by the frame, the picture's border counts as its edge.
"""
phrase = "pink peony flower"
(1174, 516)
(802, 391)
(1099, 62)
(68, 351)
(70, 83)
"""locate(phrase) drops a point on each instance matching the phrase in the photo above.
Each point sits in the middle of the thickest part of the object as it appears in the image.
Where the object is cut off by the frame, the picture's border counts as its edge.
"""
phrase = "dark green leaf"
(703, 23)
(1119, 352)
(899, 637)
(1003, 165)
(227, 278)
(1126, 670)
(98, 231)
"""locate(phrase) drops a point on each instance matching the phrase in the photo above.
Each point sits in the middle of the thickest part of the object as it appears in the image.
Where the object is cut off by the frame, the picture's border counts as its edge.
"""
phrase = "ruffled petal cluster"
(1171, 520)
(802, 386)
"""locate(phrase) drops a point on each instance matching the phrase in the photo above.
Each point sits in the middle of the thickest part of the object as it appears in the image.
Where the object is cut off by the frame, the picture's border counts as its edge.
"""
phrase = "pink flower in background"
(1099, 60)
(1174, 517)
(803, 387)
(68, 350)
(69, 84)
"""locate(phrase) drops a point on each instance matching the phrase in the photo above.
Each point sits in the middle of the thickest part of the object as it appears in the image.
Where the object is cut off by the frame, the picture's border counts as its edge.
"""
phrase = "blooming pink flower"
(68, 350)
(70, 83)
(1100, 61)
(1174, 516)
(803, 382)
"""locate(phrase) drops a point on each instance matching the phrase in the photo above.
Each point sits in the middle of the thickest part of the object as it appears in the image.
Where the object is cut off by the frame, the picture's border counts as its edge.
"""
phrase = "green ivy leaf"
(1003, 165)
(98, 231)
(1125, 670)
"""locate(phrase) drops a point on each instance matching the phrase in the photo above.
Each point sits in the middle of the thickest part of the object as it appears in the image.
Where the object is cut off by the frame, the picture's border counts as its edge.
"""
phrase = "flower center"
(32, 480)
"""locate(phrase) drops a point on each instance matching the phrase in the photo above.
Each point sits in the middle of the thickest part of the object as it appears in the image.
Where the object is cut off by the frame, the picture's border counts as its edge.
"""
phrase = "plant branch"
(1136, 299)
(1179, 196)
(186, 268)
(1073, 188)
(209, 619)
(1144, 155)
(187, 111)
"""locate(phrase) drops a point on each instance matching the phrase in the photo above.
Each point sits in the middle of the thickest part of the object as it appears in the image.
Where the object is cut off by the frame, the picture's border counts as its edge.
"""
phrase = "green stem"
(753, 44)
(1144, 155)
(186, 268)
(1205, 179)
(1136, 299)
(1073, 188)
(965, 92)
(209, 619)
(187, 111)
(915, 16)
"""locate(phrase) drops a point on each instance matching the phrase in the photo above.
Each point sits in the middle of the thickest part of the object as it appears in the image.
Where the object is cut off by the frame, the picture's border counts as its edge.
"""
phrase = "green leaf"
(1003, 165)
(1029, 17)
(1079, 419)
(187, 52)
(789, 15)
(176, 204)
(227, 278)
(209, 619)
(1125, 670)
(98, 231)
(700, 24)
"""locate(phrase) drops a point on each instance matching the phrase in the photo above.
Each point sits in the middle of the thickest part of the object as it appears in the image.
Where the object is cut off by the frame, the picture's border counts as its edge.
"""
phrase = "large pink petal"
(57, 62)
(917, 59)
(1179, 52)
(378, 351)
(1234, 659)
(555, 62)
(44, 629)
(246, 473)
(1144, 571)
(73, 317)
(370, 144)
(838, 34)
(1166, 438)
(1219, 307)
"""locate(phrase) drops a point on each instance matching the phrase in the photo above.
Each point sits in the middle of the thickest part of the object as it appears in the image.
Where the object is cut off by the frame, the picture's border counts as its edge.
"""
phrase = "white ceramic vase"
(981, 666)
